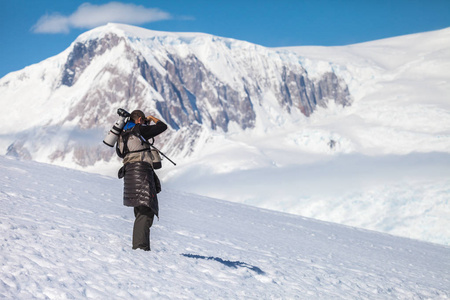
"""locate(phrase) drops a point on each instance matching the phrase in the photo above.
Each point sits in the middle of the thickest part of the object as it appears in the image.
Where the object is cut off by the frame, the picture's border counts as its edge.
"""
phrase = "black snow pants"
(141, 230)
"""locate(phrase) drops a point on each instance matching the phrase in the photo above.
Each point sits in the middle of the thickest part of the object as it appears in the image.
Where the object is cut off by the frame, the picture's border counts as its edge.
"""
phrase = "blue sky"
(33, 30)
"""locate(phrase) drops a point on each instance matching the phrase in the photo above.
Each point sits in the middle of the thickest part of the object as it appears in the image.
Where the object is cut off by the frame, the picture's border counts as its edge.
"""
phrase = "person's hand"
(152, 118)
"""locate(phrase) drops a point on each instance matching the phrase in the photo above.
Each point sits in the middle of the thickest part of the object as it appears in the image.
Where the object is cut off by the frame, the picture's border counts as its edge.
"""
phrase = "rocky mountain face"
(194, 82)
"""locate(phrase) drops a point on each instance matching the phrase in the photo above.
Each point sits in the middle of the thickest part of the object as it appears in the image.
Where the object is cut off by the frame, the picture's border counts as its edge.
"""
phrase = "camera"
(112, 136)
(123, 113)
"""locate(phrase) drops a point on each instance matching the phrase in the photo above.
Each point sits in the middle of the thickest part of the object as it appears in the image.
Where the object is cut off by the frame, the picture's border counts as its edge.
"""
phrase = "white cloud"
(55, 23)
(89, 16)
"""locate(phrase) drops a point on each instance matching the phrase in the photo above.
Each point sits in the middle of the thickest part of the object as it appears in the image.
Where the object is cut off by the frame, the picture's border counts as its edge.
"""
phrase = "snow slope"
(402, 195)
(65, 235)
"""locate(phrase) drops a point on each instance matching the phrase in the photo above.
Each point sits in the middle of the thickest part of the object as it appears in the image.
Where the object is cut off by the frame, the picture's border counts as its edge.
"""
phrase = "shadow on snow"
(228, 263)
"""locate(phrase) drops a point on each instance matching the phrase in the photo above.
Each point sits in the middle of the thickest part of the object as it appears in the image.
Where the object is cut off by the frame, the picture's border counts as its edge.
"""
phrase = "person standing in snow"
(140, 182)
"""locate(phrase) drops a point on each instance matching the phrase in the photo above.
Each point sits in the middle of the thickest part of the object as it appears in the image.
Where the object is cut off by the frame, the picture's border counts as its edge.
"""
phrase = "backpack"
(122, 148)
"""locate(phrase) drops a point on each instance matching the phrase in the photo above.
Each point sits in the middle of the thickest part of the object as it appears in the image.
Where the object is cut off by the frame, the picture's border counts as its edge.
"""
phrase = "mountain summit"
(195, 82)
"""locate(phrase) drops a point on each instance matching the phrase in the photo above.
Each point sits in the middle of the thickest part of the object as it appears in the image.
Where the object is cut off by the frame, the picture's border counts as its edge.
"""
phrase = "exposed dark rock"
(187, 94)
(82, 54)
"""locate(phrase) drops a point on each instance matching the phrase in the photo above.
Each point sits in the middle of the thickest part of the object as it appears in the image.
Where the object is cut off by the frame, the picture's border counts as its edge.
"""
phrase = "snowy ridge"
(401, 87)
(64, 243)
(197, 83)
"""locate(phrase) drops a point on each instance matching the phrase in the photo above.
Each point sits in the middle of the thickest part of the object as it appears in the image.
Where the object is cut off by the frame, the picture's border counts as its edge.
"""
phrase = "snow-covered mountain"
(195, 82)
(75, 243)
(346, 134)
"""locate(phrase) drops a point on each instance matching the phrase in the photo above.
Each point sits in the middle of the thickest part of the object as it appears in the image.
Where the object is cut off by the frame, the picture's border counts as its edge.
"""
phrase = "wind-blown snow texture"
(65, 235)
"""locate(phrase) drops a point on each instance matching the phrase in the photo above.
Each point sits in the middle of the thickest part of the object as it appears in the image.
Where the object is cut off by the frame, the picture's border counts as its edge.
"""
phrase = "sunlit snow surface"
(65, 235)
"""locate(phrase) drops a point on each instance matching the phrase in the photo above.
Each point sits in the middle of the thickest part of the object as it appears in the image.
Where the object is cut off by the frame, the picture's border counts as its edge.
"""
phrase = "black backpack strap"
(136, 131)
(125, 135)
(118, 152)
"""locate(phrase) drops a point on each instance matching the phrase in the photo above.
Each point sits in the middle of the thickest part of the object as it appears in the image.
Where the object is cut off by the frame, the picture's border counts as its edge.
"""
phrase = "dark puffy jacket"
(139, 186)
